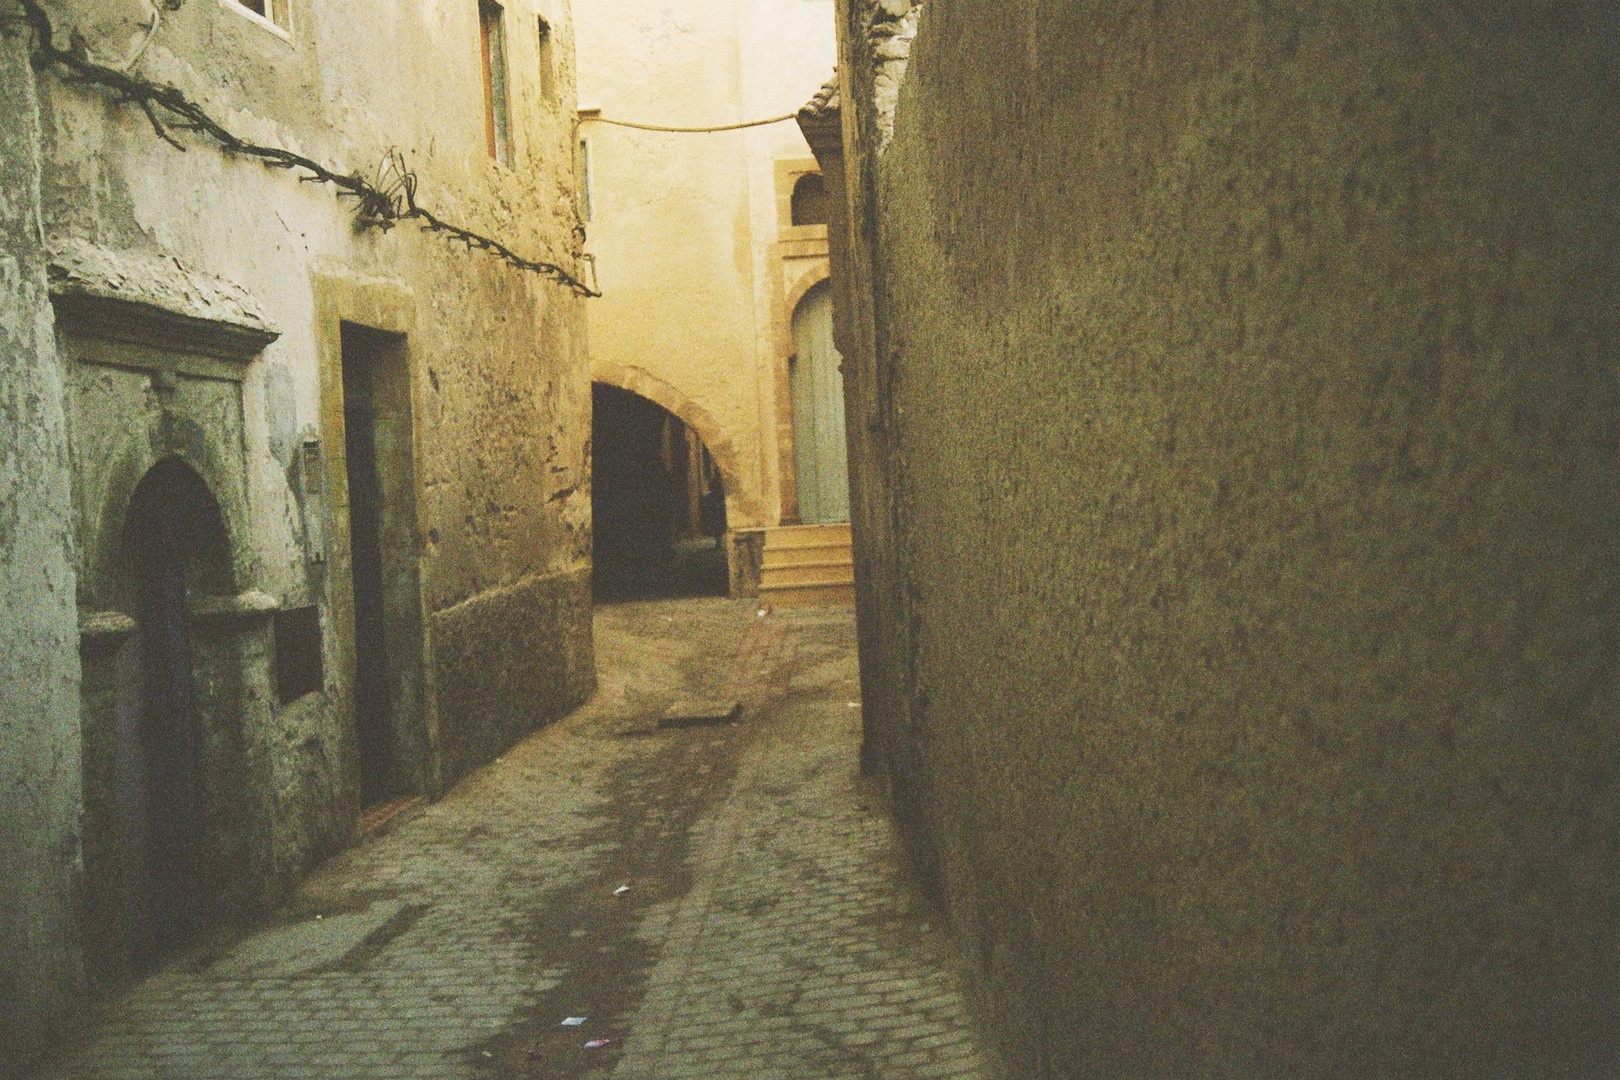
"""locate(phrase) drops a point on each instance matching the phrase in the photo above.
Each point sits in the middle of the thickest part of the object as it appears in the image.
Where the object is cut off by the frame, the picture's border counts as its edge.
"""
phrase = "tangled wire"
(380, 204)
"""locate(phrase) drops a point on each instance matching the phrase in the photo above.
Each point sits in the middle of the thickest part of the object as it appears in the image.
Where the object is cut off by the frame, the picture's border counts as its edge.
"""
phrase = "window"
(548, 64)
(810, 204)
(585, 179)
(492, 42)
(277, 13)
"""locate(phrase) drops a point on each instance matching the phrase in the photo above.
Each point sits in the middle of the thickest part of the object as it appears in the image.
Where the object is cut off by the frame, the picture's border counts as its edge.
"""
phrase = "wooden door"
(820, 457)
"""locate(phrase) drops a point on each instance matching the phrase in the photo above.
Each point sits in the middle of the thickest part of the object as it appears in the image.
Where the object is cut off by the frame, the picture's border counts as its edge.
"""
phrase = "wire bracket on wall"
(380, 204)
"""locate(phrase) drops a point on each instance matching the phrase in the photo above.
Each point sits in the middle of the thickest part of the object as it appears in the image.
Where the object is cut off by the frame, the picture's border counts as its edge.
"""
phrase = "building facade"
(295, 450)
(1232, 404)
(712, 246)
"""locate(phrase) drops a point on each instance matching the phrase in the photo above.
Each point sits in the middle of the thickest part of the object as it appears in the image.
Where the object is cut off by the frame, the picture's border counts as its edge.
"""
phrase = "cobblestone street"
(714, 901)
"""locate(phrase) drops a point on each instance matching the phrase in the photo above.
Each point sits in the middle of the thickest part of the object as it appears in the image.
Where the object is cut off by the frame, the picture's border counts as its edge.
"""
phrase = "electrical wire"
(684, 130)
(168, 108)
(151, 32)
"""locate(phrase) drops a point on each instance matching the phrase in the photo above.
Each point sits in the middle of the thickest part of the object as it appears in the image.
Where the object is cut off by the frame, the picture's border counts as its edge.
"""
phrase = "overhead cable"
(588, 119)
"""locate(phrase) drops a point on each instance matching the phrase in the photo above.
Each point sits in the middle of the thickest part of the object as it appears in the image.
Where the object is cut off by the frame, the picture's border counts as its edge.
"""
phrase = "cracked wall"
(1248, 526)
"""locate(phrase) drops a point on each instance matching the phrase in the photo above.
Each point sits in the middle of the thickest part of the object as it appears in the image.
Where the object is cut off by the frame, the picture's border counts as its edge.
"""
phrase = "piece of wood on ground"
(699, 713)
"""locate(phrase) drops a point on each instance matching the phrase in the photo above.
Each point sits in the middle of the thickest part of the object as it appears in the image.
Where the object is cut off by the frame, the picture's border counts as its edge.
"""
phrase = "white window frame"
(279, 21)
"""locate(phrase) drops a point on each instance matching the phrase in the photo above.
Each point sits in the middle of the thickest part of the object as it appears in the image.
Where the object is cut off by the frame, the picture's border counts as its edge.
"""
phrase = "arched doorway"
(177, 550)
(820, 455)
(657, 501)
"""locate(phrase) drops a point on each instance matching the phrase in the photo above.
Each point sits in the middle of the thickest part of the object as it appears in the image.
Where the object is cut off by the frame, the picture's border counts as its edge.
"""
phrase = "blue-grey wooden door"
(820, 457)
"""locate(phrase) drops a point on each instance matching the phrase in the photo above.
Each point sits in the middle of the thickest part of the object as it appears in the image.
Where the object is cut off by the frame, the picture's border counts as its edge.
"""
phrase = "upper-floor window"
(810, 204)
(548, 63)
(492, 43)
(585, 207)
(278, 13)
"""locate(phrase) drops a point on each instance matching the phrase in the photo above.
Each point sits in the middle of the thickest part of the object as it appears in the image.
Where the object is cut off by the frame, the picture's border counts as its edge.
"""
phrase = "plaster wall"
(1254, 508)
(39, 662)
(685, 226)
(500, 392)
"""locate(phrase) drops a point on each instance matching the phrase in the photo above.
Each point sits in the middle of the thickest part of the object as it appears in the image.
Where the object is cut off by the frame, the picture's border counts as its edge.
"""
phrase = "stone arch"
(743, 506)
(172, 503)
(811, 277)
(179, 439)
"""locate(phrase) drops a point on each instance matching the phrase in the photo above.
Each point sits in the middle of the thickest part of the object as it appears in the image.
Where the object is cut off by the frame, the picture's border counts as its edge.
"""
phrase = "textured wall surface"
(874, 43)
(537, 634)
(39, 658)
(1256, 430)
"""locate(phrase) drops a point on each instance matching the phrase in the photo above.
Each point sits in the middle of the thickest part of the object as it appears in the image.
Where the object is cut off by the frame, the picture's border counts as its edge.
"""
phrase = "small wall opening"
(811, 205)
(657, 500)
(299, 665)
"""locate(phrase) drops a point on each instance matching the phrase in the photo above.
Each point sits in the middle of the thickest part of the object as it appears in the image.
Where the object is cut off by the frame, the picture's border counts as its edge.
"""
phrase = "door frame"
(390, 308)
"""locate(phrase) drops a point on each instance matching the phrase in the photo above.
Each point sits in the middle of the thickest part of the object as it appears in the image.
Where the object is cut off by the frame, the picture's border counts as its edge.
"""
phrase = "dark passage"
(178, 548)
(365, 552)
(383, 552)
(658, 503)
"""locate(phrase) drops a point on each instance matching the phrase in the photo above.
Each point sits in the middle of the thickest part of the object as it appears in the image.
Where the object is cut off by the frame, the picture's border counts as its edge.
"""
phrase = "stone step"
(817, 573)
(805, 556)
(784, 536)
(807, 565)
(808, 596)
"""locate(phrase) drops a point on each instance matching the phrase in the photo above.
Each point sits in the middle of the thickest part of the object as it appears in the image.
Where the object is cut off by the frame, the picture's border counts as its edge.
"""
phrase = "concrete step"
(808, 596)
(784, 536)
(805, 556)
(821, 573)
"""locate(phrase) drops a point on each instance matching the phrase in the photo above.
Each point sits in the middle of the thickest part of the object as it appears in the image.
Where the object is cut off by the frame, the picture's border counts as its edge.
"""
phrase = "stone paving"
(720, 901)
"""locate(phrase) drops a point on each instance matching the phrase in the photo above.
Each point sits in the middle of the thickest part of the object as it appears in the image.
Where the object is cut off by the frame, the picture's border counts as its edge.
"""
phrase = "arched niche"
(177, 652)
(175, 754)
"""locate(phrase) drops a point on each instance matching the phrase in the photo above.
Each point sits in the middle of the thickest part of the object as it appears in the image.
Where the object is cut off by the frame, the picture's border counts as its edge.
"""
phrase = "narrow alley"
(841, 539)
(624, 894)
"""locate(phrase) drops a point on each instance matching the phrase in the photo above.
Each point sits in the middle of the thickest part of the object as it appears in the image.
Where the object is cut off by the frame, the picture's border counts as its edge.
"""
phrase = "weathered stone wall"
(39, 661)
(495, 388)
(874, 44)
(537, 633)
(1255, 453)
